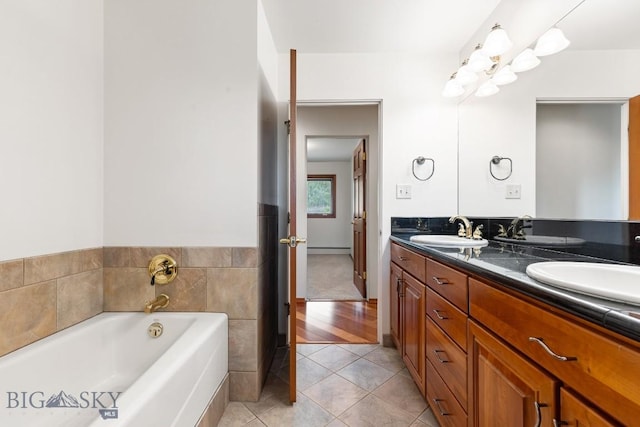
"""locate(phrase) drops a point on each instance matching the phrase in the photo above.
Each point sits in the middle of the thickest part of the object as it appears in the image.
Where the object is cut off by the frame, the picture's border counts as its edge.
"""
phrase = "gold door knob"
(293, 241)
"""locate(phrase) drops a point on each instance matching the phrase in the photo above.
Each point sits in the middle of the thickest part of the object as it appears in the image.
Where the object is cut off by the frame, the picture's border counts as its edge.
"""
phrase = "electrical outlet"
(514, 191)
(403, 191)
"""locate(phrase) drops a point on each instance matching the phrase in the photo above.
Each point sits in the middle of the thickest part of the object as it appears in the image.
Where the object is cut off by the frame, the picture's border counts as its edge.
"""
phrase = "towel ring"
(495, 160)
(420, 160)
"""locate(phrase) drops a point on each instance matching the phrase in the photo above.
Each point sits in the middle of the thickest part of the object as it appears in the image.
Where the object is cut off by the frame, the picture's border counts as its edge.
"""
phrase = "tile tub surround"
(44, 294)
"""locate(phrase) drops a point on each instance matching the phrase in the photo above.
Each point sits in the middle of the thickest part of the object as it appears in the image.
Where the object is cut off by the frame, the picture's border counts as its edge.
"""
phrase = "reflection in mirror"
(601, 64)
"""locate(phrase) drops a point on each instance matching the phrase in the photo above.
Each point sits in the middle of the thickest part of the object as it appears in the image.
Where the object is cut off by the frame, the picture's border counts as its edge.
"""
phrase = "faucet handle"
(461, 231)
(477, 234)
(502, 232)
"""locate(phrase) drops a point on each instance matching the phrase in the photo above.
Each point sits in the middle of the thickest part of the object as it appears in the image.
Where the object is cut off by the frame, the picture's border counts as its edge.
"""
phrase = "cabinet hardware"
(437, 353)
(538, 414)
(438, 315)
(442, 411)
(403, 258)
(399, 287)
(557, 423)
(440, 281)
(551, 352)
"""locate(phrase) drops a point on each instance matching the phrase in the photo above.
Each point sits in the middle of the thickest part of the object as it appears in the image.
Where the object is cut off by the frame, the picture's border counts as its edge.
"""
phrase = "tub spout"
(161, 301)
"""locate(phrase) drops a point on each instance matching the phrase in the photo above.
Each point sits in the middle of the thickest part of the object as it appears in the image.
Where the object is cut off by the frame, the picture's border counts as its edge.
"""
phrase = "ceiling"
(367, 26)
(330, 149)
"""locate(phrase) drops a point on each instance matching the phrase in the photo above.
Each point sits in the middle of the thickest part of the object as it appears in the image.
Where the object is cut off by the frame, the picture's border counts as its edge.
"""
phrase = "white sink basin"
(448, 241)
(548, 241)
(609, 281)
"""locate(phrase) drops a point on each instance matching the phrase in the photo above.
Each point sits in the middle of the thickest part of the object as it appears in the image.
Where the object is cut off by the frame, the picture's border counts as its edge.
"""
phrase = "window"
(321, 196)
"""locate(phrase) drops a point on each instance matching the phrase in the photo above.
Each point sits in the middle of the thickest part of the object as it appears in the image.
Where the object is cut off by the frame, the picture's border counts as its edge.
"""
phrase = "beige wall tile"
(80, 297)
(243, 345)
(233, 291)
(245, 257)
(141, 257)
(244, 387)
(117, 257)
(48, 267)
(127, 289)
(187, 292)
(28, 314)
(206, 257)
(11, 274)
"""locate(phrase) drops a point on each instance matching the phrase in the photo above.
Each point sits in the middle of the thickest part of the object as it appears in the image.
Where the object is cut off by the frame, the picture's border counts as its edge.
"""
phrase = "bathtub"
(107, 371)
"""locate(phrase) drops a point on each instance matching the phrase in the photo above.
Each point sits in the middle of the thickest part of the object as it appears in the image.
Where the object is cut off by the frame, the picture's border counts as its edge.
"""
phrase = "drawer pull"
(551, 352)
(438, 315)
(437, 353)
(538, 414)
(440, 281)
(442, 411)
(403, 258)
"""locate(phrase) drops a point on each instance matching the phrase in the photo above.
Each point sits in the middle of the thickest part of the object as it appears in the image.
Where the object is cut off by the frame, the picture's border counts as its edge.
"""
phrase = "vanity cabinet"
(408, 300)
(494, 356)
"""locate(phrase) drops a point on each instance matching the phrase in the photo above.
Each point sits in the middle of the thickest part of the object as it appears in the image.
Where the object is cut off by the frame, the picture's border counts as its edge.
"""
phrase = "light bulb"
(487, 88)
(553, 41)
(525, 61)
(497, 42)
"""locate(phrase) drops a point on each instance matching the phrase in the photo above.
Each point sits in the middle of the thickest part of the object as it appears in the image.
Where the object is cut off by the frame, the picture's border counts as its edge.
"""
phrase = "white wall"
(505, 124)
(51, 126)
(333, 233)
(181, 114)
(416, 121)
(578, 161)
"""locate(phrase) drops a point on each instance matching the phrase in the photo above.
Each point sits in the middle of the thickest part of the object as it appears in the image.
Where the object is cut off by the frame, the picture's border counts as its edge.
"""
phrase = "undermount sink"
(609, 281)
(448, 241)
(544, 241)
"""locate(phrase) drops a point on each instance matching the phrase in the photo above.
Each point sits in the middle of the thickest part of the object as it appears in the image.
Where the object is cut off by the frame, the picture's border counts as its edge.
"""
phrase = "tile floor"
(338, 385)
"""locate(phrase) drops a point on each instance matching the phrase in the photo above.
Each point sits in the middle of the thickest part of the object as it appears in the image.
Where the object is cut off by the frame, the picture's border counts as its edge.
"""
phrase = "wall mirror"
(590, 81)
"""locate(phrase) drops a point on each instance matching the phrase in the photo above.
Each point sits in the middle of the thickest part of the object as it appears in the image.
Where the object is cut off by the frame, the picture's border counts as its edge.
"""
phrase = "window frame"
(323, 177)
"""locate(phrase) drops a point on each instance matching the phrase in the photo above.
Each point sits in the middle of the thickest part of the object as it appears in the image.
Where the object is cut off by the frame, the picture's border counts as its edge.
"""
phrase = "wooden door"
(413, 334)
(292, 240)
(359, 219)
(395, 286)
(634, 158)
(507, 390)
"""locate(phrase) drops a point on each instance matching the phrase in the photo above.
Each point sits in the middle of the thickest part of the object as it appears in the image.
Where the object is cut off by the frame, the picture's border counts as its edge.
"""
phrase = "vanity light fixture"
(487, 88)
(525, 61)
(504, 76)
(553, 41)
(452, 88)
(497, 42)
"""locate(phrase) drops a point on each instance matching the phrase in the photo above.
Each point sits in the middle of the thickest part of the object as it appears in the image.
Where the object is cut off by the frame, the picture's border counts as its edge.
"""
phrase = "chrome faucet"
(161, 301)
(465, 232)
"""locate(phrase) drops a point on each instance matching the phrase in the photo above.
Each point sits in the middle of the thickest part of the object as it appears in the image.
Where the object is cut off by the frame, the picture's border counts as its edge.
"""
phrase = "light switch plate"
(403, 191)
(514, 191)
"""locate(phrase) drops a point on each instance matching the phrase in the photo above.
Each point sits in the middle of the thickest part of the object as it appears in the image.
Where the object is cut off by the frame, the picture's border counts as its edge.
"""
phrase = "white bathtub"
(144, 381)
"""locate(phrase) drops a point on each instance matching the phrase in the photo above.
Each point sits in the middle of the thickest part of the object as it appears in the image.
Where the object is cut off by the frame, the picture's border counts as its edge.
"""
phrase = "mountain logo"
(62, 400)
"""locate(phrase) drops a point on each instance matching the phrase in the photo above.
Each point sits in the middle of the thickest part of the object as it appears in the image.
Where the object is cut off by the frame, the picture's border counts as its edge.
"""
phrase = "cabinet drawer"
(449, 283)
(576, 412)
(445, 407)
(448, 360)
(409, 261)
(597, 366)
(448, 317)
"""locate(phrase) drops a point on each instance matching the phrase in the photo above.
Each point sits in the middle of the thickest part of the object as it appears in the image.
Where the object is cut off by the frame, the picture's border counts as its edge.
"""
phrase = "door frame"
(373, 192)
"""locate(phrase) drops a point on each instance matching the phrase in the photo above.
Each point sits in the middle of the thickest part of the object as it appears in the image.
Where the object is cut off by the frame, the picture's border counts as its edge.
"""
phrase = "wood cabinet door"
(395, 300)
(413, 334)
(507, 390)
(574, 412)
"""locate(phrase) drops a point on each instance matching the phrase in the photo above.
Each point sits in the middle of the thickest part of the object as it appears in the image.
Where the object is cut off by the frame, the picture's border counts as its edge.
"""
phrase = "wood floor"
(353, 322)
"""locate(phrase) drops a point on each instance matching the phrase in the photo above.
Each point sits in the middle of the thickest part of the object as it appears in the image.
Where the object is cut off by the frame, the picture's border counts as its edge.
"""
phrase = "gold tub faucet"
(161, 301)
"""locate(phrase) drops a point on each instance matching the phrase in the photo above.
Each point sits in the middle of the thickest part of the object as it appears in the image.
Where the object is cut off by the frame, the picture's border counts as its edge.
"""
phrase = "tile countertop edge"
(584, 307)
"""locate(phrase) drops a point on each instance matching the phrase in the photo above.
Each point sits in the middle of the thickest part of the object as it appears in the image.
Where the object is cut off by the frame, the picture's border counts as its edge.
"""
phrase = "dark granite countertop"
(506, 264)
